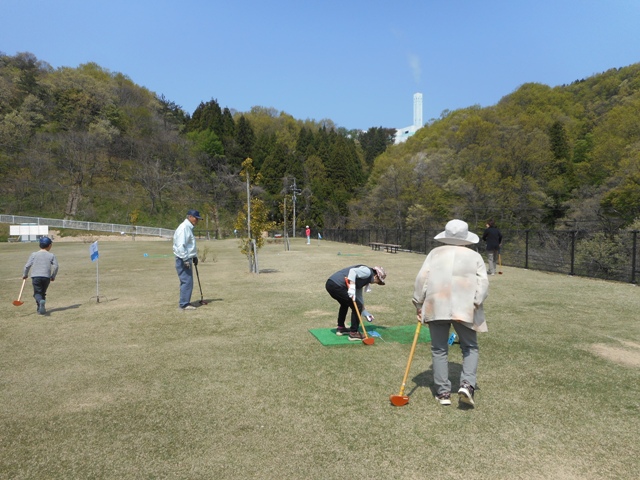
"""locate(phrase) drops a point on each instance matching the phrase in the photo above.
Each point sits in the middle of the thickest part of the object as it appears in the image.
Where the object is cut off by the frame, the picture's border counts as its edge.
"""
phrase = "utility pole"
(248, 207)
(285, 237)
(296, 191)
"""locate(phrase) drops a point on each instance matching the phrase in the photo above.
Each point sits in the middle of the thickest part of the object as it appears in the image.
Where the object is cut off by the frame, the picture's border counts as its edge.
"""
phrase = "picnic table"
(389, 247)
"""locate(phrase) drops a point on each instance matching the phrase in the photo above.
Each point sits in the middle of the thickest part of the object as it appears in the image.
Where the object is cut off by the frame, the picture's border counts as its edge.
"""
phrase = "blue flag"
(93, 251)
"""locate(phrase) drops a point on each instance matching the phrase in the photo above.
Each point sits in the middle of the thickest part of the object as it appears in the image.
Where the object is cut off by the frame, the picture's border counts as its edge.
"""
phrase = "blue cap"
(45, 242)
(194, 213)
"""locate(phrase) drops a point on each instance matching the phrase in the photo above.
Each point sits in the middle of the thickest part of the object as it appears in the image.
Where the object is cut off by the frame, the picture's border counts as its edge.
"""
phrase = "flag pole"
(97, 282)
(95, 256)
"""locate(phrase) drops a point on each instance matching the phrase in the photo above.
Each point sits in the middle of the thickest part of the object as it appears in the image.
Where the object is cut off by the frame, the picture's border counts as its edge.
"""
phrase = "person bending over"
(345, 286)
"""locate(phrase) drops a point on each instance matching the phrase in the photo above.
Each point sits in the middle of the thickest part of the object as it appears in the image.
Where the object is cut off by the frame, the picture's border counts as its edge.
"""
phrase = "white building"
(403, 133)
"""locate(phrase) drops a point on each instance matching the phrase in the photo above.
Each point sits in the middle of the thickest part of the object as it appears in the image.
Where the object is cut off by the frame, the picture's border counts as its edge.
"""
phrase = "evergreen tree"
(243, 142)
(208, 116)
(375, 141)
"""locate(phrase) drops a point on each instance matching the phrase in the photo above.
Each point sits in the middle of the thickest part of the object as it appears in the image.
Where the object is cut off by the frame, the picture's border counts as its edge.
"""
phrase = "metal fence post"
(634, 256)
(526, 249)
(425, 241)
(573, 251)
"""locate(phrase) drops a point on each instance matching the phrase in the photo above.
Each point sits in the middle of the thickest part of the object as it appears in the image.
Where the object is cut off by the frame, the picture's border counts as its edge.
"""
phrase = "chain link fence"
(588, 254)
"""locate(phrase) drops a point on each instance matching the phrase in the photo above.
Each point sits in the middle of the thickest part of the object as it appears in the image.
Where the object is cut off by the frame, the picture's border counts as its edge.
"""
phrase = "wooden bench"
(389, 247)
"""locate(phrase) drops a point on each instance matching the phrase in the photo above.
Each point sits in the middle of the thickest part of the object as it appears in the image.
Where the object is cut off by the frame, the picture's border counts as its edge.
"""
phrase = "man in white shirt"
(184, 248)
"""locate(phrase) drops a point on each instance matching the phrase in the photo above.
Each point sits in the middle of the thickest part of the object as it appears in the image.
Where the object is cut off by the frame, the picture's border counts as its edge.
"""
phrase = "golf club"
(202, 300)
(401, 399)
(367, 339)
(500, 263)
(18, 302)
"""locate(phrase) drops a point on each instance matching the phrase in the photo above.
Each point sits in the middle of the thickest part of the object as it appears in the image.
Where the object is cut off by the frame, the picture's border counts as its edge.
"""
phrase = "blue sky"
(356, 62)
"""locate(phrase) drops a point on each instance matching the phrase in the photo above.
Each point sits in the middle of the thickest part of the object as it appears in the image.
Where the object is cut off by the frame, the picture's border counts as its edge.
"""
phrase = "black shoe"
(444, 398)
(342, 331)
(355, 336)
(465, 394)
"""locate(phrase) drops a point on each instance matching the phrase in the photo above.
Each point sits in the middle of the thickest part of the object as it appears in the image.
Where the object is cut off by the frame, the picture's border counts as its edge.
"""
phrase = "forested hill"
(90, 144)
(562, 157)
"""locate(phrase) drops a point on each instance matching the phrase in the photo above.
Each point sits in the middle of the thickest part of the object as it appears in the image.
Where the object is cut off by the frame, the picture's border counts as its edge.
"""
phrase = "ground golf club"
(500, 264)
(202, 300)
(401, 399)
(367, 340)
(19, 302)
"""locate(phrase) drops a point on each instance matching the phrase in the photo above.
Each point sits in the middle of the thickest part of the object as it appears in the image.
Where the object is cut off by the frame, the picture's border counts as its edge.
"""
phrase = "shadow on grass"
(425, 379)
(197, 303)
(62, 309)
(269, 270)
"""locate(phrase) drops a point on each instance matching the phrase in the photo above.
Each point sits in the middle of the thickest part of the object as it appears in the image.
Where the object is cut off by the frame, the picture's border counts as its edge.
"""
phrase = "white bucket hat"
(456, 232)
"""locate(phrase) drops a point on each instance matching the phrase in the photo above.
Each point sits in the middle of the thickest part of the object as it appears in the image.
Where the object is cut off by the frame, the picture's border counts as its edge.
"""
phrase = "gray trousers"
(186, 281)
(492, 257)
(439, 330)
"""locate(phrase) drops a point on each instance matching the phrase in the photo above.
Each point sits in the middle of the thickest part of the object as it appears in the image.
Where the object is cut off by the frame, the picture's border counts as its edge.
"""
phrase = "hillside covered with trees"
(549, 158)
(90, 144)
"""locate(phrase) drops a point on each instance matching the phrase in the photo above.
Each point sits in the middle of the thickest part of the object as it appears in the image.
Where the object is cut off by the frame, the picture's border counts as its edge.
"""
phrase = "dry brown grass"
(132, 388)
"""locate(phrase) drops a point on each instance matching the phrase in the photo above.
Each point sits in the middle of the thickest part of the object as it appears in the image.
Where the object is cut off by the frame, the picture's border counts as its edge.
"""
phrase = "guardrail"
(90, 226)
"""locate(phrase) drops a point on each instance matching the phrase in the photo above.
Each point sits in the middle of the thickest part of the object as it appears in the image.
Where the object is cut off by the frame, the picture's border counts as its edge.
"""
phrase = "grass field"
(130, 387)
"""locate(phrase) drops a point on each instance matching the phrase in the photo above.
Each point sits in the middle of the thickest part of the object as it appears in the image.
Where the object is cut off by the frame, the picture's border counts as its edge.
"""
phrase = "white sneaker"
(465, 394)
(188, 307)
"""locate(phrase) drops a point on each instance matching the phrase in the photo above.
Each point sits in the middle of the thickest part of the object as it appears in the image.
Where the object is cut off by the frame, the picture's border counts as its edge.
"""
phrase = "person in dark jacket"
(493, 237)
(345, 286)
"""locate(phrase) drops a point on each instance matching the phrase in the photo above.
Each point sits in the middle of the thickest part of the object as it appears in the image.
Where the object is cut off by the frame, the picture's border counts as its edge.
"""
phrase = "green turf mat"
(401, 334)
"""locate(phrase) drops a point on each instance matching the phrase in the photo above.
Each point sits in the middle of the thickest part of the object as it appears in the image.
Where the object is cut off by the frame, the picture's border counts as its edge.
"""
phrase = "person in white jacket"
(450, 290)
(186, 253)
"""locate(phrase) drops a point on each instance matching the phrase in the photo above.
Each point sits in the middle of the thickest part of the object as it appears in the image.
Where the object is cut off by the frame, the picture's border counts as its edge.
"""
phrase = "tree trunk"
(75, 194)
(216, 221)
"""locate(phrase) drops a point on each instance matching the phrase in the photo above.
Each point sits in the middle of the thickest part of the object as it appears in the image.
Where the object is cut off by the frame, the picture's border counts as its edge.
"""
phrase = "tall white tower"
(403, 133)
(417, 110)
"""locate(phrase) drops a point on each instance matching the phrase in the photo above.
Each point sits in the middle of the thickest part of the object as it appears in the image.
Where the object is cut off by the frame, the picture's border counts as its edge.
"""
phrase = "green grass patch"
(130, 387)
(400, 334)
